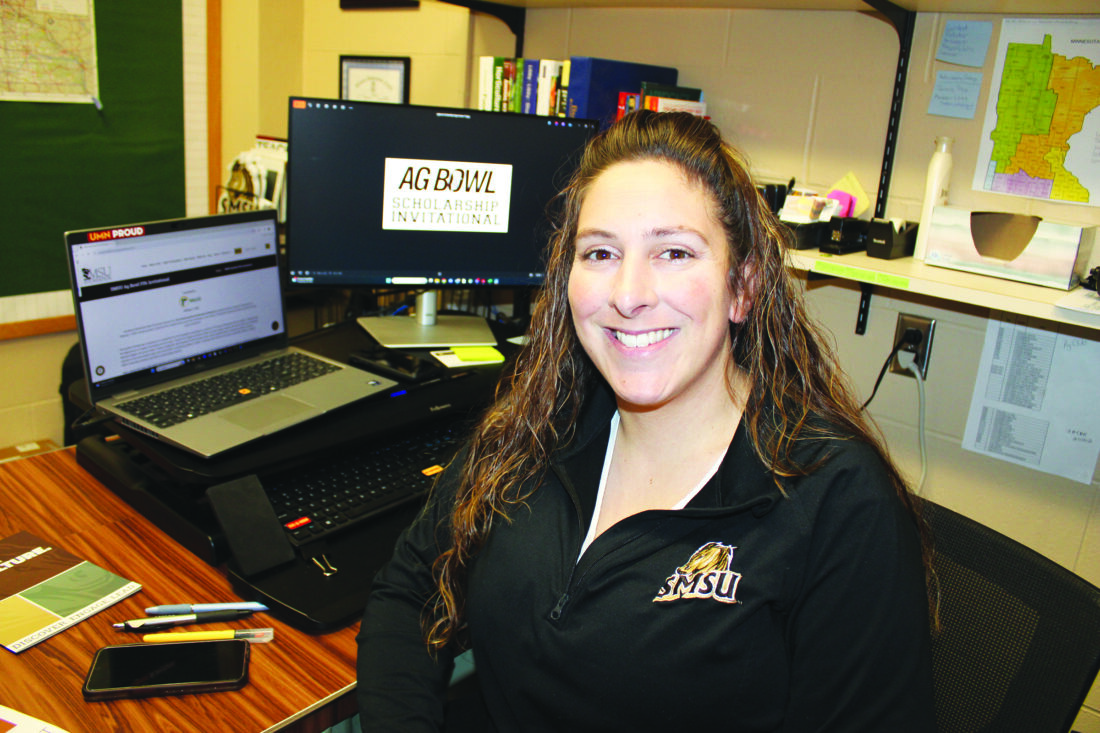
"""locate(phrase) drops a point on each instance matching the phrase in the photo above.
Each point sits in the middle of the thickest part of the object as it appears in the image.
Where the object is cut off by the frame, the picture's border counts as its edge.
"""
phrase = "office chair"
(1019, 643)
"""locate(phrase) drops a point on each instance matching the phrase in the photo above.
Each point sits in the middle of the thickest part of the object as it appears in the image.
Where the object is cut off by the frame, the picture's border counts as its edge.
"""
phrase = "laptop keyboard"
(188, 401)
(314, 502)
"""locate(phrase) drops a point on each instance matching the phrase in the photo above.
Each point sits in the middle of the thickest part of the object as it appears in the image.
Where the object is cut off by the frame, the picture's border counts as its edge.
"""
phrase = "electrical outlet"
(921, 351)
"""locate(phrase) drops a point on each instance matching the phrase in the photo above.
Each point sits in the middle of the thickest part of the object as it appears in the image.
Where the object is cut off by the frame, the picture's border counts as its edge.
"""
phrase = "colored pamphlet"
(44, 590)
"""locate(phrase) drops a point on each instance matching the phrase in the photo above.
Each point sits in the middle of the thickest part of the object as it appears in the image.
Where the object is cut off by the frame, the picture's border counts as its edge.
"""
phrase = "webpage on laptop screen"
(151, 303)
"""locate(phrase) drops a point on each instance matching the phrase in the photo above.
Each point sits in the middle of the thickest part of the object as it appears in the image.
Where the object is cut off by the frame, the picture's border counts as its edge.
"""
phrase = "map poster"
(1041, 136)
(48, 51)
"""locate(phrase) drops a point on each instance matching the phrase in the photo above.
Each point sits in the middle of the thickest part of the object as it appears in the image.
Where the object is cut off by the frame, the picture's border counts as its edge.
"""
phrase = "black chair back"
(1019, 643)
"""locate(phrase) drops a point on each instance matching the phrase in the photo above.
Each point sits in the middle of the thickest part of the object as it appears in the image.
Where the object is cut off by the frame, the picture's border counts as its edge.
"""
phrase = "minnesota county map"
(1041, 137)
(48, 51)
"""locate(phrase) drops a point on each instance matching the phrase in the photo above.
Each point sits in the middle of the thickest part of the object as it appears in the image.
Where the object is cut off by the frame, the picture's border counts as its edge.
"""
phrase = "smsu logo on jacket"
(706, 574)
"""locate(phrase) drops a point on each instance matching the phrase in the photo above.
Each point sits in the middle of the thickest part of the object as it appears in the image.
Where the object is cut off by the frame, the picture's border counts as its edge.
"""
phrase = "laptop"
(183, 333)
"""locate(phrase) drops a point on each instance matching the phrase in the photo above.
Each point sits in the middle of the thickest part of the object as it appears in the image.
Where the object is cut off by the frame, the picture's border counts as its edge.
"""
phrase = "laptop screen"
(164, 299)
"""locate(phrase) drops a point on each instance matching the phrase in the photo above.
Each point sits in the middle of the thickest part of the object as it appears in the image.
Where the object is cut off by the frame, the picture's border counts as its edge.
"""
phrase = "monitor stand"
(427, 329)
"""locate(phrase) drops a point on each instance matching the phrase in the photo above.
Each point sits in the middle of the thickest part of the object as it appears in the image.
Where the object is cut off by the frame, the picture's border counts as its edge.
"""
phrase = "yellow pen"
(252, 635)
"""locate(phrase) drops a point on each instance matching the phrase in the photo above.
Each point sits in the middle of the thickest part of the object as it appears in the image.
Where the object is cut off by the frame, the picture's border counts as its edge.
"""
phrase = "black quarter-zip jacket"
(748, 610)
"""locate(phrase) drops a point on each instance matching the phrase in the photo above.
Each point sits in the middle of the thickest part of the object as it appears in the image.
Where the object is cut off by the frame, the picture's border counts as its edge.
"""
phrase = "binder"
(595, 83)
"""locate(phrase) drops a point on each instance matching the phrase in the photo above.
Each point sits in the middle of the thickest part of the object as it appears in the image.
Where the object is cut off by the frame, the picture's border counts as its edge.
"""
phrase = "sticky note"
(478, 353)
(850, 185)
(956, 94)
(845, 200)
(965, 42)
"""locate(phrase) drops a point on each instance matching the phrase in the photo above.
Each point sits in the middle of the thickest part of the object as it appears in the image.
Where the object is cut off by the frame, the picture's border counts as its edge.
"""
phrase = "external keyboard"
(314, 502)
(188, 401)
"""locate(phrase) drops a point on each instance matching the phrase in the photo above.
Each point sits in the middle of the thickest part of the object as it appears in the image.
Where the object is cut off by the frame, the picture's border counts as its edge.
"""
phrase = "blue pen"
(204, 607)
(162, 621)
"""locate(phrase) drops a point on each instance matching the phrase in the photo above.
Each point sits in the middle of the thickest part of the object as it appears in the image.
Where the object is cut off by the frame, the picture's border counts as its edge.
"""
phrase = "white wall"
(30, 376)
(273, 49)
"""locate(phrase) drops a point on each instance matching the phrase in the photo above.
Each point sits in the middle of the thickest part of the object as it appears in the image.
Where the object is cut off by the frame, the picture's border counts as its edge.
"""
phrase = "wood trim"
(214, 99)
(37, 327)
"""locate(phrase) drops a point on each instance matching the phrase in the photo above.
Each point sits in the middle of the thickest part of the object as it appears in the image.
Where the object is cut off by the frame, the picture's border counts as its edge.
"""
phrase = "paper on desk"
(22, 723)
(1080, 299)
(1034, 402)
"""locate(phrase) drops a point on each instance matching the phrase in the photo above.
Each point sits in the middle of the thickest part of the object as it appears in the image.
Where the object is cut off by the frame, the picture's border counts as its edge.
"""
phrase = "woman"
(673, 517)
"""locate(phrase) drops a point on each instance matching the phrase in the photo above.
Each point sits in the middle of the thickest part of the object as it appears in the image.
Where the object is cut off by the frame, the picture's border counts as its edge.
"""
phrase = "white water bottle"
(935, 191)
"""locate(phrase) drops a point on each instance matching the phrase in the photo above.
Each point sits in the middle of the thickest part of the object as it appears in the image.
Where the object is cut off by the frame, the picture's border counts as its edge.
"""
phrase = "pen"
(251, 635)
(159, 622)
(203, 607)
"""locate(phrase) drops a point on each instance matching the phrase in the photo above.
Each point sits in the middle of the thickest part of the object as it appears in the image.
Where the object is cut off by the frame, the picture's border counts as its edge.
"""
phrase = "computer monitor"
(420, 197)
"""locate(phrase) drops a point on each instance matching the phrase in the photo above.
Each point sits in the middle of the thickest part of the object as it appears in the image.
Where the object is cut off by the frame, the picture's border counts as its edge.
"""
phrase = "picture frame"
(375, 78)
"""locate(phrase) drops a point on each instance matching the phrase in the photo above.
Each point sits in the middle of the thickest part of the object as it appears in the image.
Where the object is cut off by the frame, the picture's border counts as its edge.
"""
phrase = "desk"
(297, 682)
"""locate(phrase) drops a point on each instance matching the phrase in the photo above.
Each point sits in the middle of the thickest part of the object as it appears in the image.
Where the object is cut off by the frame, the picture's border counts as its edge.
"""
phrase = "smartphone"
(173, 668)
(399, 365)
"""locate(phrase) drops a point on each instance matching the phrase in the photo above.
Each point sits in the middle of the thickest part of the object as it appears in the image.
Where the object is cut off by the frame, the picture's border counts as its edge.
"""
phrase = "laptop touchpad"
(271, 412)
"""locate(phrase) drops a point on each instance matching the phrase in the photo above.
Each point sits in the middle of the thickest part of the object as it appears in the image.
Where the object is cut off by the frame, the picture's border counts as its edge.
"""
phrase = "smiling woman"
(649, 290)
(652, 305)
(675, 499)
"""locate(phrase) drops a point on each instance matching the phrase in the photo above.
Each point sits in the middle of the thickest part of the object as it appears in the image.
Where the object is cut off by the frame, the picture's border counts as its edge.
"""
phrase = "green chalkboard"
(72, 166)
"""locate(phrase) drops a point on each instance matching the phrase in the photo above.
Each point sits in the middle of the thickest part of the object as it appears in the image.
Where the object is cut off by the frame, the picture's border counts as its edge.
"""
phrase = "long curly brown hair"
(796, 389)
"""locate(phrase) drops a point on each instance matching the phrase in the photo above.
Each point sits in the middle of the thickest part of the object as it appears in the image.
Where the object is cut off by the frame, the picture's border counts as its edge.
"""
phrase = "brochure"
(44, 590)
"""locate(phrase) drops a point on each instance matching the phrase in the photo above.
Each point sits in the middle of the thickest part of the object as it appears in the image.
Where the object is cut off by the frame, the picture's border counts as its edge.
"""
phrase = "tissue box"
(1013, 246)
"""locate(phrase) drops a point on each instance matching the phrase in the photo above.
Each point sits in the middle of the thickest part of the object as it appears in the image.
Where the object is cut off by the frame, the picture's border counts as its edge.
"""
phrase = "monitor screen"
(424, 197)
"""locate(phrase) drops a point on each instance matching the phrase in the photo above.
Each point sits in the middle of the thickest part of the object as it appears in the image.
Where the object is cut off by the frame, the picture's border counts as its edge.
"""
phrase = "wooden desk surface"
(295, 675)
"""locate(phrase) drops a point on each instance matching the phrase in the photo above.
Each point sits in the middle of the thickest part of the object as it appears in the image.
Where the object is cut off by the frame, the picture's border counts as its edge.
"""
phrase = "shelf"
(909, 275)
(1007, 7)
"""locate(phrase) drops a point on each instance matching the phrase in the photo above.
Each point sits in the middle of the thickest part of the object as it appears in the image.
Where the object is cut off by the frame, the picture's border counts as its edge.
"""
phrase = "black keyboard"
(188, 401)
(317, 501)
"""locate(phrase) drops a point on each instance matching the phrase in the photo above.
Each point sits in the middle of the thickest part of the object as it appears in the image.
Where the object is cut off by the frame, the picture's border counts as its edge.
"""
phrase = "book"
(673, 98)
(595, 83)
(45, 590)
(508, 80)
(672, 104)
(670, 91)
(485, 82)
(549, 71)
(515, 101)
(561, 98)
(628, 102)
(530, 86)
(498, 83)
